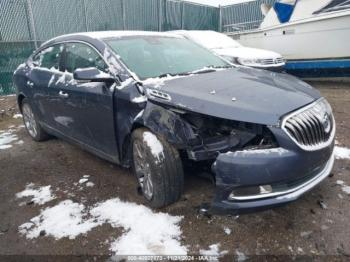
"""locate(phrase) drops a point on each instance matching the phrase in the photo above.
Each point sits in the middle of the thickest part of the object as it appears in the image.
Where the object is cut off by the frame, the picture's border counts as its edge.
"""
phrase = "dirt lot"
(317, 224)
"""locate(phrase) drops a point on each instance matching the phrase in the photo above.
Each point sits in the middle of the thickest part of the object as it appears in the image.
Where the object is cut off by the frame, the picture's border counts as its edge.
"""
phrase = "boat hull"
(320, 42)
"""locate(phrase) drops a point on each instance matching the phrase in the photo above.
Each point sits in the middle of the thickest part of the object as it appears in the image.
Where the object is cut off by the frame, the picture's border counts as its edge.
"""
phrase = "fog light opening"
(250, 191)
(266, 189)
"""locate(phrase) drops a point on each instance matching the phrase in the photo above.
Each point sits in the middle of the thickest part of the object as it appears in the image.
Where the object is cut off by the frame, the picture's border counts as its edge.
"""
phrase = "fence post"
(220, 18)
(85, 16)
(160, 15)
(123, 14)
(182, 14)
(31, 22)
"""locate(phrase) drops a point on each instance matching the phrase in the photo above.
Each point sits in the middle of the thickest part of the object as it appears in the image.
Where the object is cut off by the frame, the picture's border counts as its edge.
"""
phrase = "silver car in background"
(234, 52)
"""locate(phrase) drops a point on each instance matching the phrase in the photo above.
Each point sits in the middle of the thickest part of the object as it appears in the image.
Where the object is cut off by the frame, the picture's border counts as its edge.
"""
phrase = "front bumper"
(289, 173)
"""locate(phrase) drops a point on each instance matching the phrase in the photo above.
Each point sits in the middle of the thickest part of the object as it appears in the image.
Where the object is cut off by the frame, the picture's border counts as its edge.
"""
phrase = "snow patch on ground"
(90, 184)
(83, 180)
(6, 138)
(16, 116)
(342, 152)
(40, 195)
(344, 187)
(63, 220)
(20, 142)
(241, 256)
(227, 231)
(154, 144)
(213, 251)
(145, 232)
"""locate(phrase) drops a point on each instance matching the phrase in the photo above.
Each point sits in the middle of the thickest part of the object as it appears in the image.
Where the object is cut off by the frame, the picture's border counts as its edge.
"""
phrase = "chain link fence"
(25, 24)
(243, 16)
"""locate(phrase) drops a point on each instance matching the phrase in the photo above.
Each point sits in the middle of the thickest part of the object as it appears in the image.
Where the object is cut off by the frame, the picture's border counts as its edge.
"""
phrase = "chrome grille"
(311, 127)
(271, 61)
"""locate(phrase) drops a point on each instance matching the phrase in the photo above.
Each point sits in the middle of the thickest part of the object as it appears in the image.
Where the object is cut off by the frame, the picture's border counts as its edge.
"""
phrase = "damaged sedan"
(155, 101)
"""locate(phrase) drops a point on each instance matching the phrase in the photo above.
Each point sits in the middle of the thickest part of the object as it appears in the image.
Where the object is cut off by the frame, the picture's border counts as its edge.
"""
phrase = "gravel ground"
(316, 224)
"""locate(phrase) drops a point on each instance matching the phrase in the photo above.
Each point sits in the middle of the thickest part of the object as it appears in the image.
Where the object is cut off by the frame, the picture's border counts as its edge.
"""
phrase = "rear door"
(46, 69)
(87, 107)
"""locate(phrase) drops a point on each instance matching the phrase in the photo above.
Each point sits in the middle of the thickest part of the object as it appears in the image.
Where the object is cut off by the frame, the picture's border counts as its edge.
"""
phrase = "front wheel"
(158, 168)
(31, 123)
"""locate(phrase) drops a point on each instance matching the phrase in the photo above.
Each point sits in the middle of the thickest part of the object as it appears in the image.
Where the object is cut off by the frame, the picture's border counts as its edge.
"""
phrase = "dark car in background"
(154, 101)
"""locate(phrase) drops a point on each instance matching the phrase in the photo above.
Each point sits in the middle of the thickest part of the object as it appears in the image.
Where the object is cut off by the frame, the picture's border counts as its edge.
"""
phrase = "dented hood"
(242, 94)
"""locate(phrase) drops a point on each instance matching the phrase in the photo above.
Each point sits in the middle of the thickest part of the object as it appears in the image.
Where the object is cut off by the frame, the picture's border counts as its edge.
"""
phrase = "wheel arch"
(162, 122)
(20, 99)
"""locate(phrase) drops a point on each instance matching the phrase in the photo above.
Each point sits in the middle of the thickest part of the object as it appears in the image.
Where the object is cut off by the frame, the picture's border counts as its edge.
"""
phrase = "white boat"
(313, 36)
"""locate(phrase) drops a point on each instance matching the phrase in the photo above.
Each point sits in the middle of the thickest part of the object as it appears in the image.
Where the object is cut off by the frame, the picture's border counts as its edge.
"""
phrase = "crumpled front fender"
(166, 123)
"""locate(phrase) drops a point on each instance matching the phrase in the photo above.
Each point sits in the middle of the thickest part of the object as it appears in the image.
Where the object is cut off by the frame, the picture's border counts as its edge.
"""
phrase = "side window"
(49, 57)
(79, 55)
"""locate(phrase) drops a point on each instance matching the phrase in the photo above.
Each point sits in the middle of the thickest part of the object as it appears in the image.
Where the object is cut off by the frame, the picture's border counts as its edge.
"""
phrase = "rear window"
(49, 57)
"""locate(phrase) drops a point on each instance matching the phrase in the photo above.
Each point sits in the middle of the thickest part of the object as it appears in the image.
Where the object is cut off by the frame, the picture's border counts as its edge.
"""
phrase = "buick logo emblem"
(326, 122)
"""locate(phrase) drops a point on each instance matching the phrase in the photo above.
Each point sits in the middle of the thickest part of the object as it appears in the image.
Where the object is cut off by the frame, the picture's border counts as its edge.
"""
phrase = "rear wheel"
(158, 168)
(31, 123)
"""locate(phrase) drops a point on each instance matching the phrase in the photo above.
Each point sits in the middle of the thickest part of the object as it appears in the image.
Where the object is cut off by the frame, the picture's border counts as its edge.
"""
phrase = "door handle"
(63, 94)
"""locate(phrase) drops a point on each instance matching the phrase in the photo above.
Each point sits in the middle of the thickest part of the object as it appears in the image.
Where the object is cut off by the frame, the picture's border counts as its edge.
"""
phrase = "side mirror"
(92, 74)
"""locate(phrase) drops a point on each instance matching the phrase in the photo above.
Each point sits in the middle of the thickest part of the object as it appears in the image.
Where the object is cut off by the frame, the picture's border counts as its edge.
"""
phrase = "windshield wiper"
(171, 74)
(218, 67)
(208, 69)
(203, 71)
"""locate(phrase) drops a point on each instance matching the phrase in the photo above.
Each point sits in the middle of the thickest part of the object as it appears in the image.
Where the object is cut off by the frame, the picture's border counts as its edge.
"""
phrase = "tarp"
(284, 11)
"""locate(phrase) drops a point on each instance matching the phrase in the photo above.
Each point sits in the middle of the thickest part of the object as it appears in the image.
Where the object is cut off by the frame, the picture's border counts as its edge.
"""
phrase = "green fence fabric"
(53, 18)
(11, 55)
(173, 15)
(198, 17)
(103, 15)
(14, 21)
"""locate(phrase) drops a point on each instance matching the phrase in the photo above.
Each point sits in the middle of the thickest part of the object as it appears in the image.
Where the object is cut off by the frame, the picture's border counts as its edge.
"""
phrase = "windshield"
(154, 56)
(213, 40)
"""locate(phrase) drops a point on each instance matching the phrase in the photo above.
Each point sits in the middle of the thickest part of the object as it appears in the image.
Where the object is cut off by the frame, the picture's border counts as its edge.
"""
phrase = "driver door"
(87, 108)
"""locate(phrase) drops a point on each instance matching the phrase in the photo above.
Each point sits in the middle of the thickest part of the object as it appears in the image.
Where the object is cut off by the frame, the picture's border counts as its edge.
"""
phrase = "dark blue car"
(155, 101)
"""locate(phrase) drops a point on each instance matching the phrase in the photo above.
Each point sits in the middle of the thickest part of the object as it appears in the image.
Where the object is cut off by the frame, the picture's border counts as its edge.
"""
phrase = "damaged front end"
(254, 166)
(213, 136)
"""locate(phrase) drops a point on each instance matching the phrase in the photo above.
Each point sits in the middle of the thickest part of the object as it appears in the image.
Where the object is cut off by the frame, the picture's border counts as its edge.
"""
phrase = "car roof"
(100, 35)
(193, 32)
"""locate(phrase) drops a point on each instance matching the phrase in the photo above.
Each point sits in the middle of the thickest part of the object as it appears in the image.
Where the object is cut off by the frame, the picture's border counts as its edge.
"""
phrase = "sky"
(218, 2)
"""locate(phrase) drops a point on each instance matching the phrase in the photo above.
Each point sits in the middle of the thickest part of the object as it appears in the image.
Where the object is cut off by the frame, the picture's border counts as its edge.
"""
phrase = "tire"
(164, 169)
(31, 123)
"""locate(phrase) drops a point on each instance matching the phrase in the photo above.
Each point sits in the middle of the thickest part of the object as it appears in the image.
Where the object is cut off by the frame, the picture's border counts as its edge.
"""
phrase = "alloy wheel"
(143, 170)
(29, 120)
